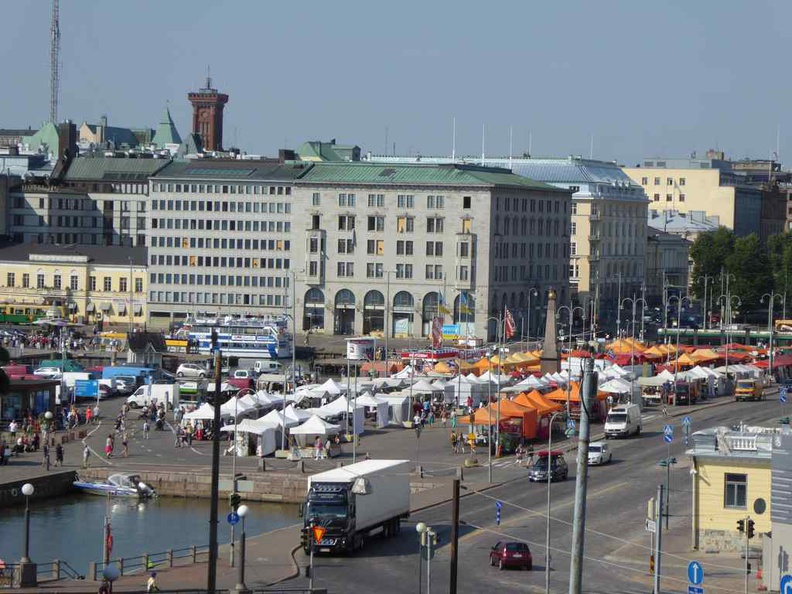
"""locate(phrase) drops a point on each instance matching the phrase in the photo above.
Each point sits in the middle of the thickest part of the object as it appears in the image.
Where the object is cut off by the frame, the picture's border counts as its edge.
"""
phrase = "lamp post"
(643, 310)
(531, 292)
(680, 299)
(549, 481)
(634, 303)
(667, 463)
(27, 569)
(241, 588)
(771, 296)
(427, 539)
(571, 311)
(499, 349)
(618, 312)
(388, 327)
(705, 278)
(725, 302)
(234, 458)
(111, 573)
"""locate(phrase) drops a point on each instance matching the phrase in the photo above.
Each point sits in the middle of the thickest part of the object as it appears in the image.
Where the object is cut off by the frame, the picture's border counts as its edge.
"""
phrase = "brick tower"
(208, 107)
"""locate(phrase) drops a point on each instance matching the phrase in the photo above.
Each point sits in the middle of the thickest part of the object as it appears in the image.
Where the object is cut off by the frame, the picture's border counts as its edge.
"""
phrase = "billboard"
(360, 349)
(86, 388)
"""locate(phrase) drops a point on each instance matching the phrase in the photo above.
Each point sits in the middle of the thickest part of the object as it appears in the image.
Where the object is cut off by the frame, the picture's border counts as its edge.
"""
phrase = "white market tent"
(615, 386)
(379, 404)
(398, 406)
(264, 431)
(205, 412)
(424, 387)
(333, 387)
(235, 408)
(316, 426)
(276, 417)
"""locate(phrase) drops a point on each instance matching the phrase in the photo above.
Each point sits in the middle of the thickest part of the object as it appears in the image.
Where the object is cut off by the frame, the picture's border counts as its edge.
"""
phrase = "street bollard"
(169, 554)
(92, 570)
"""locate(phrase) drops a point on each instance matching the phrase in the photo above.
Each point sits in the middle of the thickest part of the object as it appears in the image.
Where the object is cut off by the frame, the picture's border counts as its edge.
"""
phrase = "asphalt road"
(616, 507)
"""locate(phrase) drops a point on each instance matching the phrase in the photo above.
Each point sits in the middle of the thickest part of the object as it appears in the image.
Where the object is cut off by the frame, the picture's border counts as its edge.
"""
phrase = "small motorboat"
(117, 485)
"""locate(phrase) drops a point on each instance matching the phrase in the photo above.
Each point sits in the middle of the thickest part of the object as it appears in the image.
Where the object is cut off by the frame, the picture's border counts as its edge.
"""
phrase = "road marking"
(526, 515)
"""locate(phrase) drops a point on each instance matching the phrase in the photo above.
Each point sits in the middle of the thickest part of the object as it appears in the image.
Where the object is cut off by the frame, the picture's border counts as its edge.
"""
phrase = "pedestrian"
(109, 446)
(454, 442)
(59, 455)
(151, 584)
(88, 415)
(104, 588)
(179, 436)
(453, 419)
(318, 448)
(146, 428)
(86, 455)
(46, 461)
(125, 443)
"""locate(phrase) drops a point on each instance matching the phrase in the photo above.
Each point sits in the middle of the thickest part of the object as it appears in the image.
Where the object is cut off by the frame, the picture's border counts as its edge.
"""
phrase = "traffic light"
(740, 526)
(234, 500)
(750, 528)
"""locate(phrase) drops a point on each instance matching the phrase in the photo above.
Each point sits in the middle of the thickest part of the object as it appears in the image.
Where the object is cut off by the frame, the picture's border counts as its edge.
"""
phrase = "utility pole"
(215, 492)
(452, 589)
(579, 523)
(658, 539)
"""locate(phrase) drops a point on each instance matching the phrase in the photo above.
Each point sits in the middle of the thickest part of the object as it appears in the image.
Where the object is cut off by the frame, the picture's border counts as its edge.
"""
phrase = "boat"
(117, 485)
(247, 337)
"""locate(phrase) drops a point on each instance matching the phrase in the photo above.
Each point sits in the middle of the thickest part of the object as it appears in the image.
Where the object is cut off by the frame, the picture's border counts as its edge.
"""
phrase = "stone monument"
(550, 362)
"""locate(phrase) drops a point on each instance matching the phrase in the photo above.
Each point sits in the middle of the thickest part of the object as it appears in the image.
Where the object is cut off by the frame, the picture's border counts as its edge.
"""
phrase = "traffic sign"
(668, 438)
(86, 388)
(233, 518)
(782, 397)
(318, 533)
(651, 525)
(668, 430)
(695, 590)
(786, 584)
(686, 422)
(695, 573)
(570, 424)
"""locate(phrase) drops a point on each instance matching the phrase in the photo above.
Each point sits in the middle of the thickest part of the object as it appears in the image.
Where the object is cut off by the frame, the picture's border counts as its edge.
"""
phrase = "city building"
(667, 263)
(423, 239)
(730, 479)
(93, 284)
(777, 545)
(318, 151)
(727, 192)
(207, 120)
(167, 136)
(103, 136)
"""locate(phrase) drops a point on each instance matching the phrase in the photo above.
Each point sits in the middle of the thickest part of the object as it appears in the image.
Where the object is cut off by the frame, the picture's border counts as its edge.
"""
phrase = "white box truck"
(623, 421)
(167, 393)
(352, 501)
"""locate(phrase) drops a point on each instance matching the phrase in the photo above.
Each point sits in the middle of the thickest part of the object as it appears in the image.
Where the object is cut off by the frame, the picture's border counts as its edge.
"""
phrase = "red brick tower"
(208, 107)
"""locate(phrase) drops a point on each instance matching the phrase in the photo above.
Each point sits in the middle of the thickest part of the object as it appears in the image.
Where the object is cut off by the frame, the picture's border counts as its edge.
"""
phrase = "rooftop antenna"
(591, 148)
(54, 60)
(453, 142)
(386, 141)
(208, 77)
(510, 146)
(530, 144)
(483, 138)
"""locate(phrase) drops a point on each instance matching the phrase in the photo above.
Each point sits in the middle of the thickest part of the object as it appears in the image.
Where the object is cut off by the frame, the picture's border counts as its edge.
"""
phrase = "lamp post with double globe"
(27, 569)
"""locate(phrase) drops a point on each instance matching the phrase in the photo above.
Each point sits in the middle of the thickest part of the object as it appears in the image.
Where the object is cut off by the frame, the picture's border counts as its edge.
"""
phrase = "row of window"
(216, 243)
(515, 250)
(219, 261)
(223, 225)
(223, 280)
(189, 297)
(524, 226)
(378, 201)
(657, 181)
(525, 273)
(101, 237)
(74, 282)
(221, 206)
(402, 271)
(256, 190)
(670, 197)
(404, 224)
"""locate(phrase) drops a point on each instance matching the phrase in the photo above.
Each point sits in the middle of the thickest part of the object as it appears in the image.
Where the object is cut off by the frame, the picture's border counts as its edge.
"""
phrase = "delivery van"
(623, 421)
(167, 393)
(267, 366)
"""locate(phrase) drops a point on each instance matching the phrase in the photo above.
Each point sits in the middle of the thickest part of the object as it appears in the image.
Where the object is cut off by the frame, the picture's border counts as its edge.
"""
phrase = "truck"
(353, 501)
(140, 373)
(167, 393)
(748, 389)
(69, 377)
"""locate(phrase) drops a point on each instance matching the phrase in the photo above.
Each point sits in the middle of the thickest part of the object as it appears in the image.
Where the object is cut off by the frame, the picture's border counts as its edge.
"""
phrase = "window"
(376, 200)
(405, 201)
(374, 270)
(346, 246)
(123, 285)
(25, 280)
(376, 223)
(435, 202)
(434, 271)
(681, 197)
(645, 181)
(434, 248)
(404, 248)
(316, 199)
(375, 247)
(57, 282)
(573, 228)
(463, 273)
(434, 225)
(74, 282)
(735, 490)
(139, 285)
(681, 181)
(92, 283)
(40, 280)
(466, 202)
(405, 224)
(404, 271)
(670, 181)
(346, 223)
(669, 197)
(108, 283)
(573, 208)
(345, 200)
(10, 280)
(657, 181)
(657, 197)
(464, 249)
(573, 248)
(346, 269)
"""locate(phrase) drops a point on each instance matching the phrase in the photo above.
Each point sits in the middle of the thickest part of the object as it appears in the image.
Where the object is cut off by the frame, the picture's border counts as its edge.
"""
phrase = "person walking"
(146, 429)
(59, 455)
(46, 461)
(151, 584)
(125, 444)
(109, 446)
(86, 455)
(318, 448)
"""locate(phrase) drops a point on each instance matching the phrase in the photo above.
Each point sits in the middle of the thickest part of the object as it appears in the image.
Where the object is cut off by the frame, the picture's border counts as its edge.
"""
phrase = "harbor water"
(71, 528)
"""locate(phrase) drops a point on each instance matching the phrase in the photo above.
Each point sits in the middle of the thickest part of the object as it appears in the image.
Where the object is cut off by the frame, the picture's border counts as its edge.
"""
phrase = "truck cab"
(686, 393)
(748, 389)
(623, 421)
(331, 506)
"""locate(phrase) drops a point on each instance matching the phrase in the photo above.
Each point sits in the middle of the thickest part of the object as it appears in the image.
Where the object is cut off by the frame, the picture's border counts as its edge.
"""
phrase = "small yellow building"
(87, 284)
(730, 481)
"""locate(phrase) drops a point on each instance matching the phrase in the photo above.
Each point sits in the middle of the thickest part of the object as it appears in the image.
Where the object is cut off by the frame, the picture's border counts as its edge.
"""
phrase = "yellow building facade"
(86, 284)
(731, 481)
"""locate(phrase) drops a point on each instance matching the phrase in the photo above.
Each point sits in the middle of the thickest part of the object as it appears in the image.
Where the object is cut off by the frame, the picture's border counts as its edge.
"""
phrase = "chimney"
(67, 141)
(286, 155)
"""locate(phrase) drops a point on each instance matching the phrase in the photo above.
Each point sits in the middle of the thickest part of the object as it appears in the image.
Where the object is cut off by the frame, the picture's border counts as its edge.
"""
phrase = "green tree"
(750, 265)
(709, 253)
(779, 248)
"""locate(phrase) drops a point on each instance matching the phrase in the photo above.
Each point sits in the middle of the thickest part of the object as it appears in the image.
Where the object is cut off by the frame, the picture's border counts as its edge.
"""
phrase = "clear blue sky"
(645, 78)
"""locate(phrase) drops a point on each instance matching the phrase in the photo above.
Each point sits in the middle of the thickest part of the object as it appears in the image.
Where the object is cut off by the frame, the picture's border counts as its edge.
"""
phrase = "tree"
(709, 252)
(750, 265)
(779, 249)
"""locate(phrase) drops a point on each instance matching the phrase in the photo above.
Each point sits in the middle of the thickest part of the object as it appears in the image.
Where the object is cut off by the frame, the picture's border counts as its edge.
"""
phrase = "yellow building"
(89, 284)
(730, 480)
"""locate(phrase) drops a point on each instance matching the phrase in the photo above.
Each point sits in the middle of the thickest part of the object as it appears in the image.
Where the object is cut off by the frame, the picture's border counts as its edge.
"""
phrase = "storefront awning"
(91, 307)
(105, 307)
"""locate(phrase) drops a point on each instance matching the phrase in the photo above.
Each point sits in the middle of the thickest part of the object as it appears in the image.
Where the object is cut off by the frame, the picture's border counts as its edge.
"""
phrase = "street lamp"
(535, 293)
(234, 458)
(634, 303)
(771, 296)
(27, 569)
(705, 278)
(388, 327)
(427, 540)
(571, 311)
(242, 511)
(111, 573)
(680, 299)
(726, 300)
(618, 311)
(549, 481)
(667, 463)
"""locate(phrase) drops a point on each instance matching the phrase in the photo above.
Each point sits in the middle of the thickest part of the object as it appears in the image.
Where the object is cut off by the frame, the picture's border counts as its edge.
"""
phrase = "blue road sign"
(786, 584)
(86, 388)
(695, 590)
(782, 394)
(498, 506)
(668, 438)
(233, 518)
(570, 424)
(695, 573)
(668, 430)
(687, 422)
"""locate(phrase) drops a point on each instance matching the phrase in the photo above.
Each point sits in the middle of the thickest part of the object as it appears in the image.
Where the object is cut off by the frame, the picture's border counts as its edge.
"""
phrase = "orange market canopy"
(560, 395)
(539, 402)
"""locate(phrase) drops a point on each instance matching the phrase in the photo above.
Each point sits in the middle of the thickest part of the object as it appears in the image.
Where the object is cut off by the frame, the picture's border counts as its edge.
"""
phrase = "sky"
(631, 78)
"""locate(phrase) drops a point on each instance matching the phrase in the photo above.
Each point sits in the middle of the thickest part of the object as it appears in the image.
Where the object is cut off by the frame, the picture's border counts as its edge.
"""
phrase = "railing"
(45, 572)
(148, 561)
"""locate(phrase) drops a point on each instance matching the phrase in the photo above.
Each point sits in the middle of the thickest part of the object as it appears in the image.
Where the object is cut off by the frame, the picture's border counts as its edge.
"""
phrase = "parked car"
(125, 384)
(191, 370)
(599, 453)
(48, 372)
(558, 467)
(511, 554)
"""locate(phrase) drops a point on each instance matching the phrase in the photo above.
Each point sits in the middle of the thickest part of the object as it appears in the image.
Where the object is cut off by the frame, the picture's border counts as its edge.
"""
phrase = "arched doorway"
(429, 311)
(313, 310)
(373, 312)
(465, 313)
(402, 324)
(345, 312)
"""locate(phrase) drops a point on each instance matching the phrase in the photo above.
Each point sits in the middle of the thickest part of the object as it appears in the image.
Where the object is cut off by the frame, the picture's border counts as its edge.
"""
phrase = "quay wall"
(45, 486)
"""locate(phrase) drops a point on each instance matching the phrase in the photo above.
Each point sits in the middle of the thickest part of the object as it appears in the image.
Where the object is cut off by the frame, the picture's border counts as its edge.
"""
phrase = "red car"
(511, 554)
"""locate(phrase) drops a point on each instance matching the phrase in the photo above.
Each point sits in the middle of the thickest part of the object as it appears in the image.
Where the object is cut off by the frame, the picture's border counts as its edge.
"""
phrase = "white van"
(623, 421)
(267, 366)
(167, 393)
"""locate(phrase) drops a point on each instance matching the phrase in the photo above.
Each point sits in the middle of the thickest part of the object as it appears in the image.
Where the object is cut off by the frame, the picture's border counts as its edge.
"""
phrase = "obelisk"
(550, 361)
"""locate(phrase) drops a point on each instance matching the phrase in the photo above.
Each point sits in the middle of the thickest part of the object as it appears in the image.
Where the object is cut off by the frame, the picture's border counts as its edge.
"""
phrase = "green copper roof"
(316, 150)
(166, 132)
(113, 169)
(405, 174)
(47, 136)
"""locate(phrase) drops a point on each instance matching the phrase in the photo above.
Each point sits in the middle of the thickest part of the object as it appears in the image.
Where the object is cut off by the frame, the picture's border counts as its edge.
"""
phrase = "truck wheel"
(133, 405)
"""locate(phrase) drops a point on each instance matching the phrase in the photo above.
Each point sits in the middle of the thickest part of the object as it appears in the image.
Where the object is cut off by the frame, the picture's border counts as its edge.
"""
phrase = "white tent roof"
(298, 413)
(618, 369)
(234, 406)
(615, 386)
(276, 417)
(333, 387)
(440, 384)
(369, 400)
(257, 426)
(405, 373)
(205, 412)
(666, 375)
(250, 400)
(224, 387)
(316, 426)
(424, 387)
(697, 372)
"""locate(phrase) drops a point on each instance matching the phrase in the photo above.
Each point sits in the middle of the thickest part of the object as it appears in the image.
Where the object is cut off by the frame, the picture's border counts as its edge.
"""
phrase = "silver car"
(599, 453)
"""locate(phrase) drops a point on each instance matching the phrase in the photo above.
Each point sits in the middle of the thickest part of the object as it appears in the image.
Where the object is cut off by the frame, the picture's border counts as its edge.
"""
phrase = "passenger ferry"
(247, 337)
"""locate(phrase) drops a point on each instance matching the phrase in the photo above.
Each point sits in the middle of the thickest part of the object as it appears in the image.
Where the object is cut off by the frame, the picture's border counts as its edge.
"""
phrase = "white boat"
(248, 337)
(117, 485)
